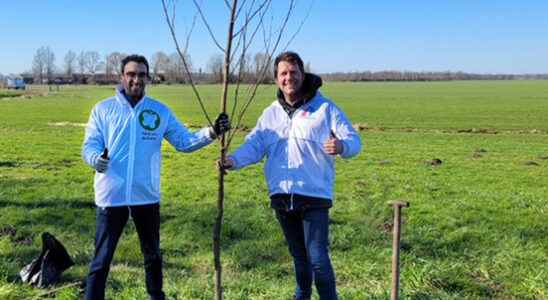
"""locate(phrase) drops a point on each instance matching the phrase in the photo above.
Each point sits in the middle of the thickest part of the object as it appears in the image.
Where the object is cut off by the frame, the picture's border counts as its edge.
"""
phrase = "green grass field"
(476, 229)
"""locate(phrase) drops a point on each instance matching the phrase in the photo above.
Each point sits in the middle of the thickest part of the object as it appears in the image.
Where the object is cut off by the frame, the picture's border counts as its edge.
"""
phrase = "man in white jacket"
(123, 143)
(300, 133)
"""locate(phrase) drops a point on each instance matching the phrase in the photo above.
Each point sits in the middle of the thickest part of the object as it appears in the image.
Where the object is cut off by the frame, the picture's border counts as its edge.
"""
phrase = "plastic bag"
(46, 269)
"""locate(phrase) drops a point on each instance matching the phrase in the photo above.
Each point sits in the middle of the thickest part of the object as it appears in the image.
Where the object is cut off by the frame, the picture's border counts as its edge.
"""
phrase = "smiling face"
(134, 80)
(290, 80)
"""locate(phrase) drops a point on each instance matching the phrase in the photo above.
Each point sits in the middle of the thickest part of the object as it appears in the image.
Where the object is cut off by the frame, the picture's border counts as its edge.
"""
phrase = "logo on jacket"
(149, 119)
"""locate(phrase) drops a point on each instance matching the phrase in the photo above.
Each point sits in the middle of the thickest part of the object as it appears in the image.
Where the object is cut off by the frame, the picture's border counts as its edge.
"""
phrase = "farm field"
(476, 228)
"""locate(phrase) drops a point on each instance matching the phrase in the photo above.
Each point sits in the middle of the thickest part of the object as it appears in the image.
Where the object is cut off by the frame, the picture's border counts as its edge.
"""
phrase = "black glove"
(102, 162)
(222, 124)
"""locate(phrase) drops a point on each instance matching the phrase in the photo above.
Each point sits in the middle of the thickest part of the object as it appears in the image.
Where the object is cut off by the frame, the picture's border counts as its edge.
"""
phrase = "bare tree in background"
(93, 63)
(262, 61)
(176, 68)
(70, 63)
(43, 64)
(215, 67)
(38, 66)
(112, 65)
(81, 62)
(247, 23)
(246, 73)
(159, 65)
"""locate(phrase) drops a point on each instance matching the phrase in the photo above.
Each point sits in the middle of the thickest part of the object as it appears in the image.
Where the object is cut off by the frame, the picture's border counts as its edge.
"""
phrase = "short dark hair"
(290, 57)
(134, 58)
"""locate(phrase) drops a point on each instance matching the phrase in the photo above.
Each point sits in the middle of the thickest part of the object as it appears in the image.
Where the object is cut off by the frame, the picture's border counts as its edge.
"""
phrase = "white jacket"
(133, 137)
(295, 160)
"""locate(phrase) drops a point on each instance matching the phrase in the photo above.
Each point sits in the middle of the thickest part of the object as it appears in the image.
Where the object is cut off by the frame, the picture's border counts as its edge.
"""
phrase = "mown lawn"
(476, 228)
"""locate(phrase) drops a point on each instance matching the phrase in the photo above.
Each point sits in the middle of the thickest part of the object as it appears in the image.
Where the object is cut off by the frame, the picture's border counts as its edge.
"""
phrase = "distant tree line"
(89, 67)
(423, 76)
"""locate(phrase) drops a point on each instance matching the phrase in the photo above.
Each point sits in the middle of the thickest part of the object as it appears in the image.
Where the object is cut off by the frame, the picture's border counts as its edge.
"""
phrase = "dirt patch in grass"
(366, 127)
(531, 163)
(433, 162)
(8, 230)
(478, 130)
(24, 240)
(63, 124)
(479, 153)
(8, 164)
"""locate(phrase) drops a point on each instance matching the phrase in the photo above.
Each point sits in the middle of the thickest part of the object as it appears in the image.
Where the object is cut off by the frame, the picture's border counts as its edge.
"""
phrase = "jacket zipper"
(287, 153)
(291, 193)
(131, 155)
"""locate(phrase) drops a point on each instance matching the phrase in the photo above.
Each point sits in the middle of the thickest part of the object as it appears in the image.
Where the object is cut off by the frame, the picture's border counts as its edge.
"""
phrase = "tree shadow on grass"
(250, 236)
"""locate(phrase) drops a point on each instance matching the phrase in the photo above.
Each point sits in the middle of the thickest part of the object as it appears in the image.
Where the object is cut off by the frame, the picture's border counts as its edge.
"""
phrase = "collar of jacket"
(121, 96)
(311, 84)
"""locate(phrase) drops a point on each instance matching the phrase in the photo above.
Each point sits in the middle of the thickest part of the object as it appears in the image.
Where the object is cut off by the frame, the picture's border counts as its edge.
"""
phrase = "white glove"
(101, 164)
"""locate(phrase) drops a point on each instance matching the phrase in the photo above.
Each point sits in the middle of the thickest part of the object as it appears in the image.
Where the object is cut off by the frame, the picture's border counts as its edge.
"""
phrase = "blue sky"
(479, 36)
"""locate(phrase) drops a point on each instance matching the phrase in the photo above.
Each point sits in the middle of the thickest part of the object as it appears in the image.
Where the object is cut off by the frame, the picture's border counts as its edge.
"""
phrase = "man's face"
(134, 79)
(289, 79)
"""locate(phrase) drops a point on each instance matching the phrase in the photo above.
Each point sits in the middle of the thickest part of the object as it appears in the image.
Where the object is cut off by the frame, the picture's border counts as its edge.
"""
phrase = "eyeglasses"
(140, 75)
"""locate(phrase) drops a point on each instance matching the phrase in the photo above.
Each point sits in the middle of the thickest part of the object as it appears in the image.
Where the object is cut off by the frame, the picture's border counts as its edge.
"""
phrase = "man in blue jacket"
(300, 133)
(122, 143)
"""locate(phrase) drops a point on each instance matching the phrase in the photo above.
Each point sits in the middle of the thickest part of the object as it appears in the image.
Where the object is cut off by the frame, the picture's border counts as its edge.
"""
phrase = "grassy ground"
(476, 228)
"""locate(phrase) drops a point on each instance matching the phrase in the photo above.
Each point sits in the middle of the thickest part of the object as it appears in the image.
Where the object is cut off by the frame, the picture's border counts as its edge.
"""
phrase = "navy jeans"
(307, 234)
(110, 222)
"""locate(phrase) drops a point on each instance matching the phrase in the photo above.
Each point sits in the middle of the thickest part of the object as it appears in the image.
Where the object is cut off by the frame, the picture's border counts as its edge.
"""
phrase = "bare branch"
(242, 5)
(187, 70)
(250, 42)
(300, 25)
(241, 63)
(206, 23)
(253, 15)
(235, 48)
(263, 73)
(189, 34)
(267, 38)
(174, 10)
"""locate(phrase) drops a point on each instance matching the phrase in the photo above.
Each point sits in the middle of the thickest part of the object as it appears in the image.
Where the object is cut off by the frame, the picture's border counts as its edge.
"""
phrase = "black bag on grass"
(46, 269)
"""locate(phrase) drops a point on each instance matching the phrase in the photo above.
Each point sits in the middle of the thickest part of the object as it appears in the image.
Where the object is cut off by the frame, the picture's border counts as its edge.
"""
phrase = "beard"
(135, 91)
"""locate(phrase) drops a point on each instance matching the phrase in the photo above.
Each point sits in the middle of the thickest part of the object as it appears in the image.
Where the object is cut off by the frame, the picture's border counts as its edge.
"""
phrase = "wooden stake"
(398, 204)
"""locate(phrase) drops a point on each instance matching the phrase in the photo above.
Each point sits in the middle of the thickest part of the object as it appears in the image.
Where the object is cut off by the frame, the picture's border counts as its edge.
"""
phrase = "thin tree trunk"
(221, 194)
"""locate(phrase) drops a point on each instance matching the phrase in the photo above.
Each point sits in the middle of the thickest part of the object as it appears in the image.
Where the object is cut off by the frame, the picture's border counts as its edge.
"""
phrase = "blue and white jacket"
(293, 145)
(133, 137)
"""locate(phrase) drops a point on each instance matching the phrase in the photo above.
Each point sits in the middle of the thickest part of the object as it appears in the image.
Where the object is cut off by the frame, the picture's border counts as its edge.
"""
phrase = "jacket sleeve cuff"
(346, 153)
(206, 134)
(212, 133)
(91, 160)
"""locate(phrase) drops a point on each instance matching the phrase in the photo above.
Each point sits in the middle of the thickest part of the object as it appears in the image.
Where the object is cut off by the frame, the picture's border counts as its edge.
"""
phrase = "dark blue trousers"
(110, 222)
(307, 234)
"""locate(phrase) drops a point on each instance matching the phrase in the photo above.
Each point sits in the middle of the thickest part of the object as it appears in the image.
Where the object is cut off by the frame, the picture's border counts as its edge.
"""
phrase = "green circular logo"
(149, 119)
